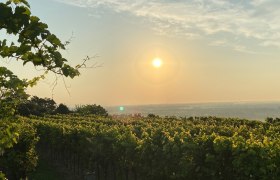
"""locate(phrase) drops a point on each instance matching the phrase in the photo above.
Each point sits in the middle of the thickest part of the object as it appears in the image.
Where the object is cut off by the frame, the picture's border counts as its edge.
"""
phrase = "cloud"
(257, 20)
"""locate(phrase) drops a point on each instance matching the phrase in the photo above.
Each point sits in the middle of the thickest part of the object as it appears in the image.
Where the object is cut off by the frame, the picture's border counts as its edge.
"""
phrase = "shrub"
(62, 109)
(91, 109)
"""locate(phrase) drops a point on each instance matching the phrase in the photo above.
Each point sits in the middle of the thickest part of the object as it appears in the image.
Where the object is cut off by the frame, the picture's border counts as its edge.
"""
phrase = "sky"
(211, 51)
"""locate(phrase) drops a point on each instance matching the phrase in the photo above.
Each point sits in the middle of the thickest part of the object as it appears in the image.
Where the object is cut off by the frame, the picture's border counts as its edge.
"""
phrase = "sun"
(157, 62)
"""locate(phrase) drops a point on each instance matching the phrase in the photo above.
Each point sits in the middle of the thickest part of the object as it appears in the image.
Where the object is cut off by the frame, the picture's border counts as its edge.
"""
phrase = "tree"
(91, 109)
(37, 106)
(12, 92)
(34, 42)
(152, 116)
(62, 109)
(31, 42)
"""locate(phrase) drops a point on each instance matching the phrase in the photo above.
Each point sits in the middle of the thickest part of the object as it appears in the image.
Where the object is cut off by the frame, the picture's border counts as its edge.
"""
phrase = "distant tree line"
(45, 106)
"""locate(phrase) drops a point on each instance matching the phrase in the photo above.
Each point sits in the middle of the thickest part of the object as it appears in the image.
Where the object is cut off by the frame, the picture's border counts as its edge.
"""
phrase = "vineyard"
(153, 148)
(105, 147)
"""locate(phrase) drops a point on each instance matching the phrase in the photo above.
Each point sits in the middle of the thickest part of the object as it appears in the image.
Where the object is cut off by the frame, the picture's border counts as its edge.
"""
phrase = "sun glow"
(157, 62)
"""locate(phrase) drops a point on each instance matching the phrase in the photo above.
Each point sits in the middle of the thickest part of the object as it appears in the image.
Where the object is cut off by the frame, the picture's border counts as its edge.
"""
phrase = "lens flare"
(121, 108)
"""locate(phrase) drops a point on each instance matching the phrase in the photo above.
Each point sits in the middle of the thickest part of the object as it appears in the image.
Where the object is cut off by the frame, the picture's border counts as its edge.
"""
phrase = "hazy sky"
(211, 50)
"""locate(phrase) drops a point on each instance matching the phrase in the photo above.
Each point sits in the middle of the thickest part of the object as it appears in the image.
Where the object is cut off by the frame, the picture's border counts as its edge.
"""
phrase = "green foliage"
(8, 135)
(37, 106)
(31, 42)
(35, 43)
(12, 92)
(20, 160)
(2, 176)
(62, 109)
(91, 109)
(163, 148)
(152, 116)
(273, 121)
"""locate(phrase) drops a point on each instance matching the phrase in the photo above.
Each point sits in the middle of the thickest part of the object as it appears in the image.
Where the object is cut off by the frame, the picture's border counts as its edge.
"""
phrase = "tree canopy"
(91, 109)
(33, 43)
(62, 109)
(25, 38)
(36, 106)
(12, 92)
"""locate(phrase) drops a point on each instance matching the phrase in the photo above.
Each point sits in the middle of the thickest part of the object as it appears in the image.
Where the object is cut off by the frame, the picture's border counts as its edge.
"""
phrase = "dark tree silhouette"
(62, 109)
(37, 106)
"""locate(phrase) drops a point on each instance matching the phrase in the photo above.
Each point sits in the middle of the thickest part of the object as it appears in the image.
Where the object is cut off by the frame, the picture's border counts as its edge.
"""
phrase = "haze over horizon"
(163, 51)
